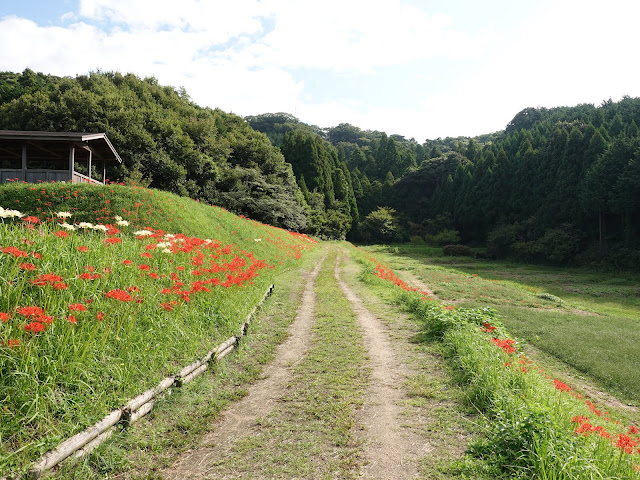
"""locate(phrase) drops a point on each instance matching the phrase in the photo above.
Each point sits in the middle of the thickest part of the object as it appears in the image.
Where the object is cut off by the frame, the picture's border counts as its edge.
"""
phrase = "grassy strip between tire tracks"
(312, 433)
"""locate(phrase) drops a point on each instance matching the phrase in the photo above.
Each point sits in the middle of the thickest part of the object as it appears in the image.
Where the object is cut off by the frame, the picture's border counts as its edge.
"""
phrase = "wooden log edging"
(85, 441)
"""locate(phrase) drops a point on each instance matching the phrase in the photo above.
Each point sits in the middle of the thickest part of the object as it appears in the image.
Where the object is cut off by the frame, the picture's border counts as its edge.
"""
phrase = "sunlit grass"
(594, 327)
(537, 426)
(91, 315)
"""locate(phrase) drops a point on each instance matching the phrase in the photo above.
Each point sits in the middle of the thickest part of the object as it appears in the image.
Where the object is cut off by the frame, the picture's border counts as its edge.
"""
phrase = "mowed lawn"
(588, 319)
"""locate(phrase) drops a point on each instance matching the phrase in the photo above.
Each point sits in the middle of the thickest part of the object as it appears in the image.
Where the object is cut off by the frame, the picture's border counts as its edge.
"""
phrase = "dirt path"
(401, 421)
(391, 450)
(262, 397)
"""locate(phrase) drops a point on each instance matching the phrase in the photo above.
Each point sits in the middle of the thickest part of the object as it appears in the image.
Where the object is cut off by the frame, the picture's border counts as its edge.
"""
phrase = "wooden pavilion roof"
(99, 142)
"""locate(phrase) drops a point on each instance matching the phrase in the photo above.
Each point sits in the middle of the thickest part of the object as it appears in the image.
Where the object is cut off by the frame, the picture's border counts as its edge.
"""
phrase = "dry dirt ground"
(399, 425)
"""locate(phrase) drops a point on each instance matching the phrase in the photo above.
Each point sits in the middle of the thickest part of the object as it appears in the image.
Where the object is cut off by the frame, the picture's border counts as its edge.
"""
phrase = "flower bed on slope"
(95, 309)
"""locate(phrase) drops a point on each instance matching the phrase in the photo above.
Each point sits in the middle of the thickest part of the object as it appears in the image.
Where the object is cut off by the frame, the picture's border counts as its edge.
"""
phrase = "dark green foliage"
(165, 140)
(457, 251)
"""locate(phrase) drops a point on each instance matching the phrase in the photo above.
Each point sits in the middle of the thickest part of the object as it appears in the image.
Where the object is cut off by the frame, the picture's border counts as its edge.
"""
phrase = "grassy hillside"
(107, 289)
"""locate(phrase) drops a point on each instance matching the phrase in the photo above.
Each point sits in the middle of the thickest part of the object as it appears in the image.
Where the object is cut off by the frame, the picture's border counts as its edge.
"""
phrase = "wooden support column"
(72, 153)
(24, 161)
(104, 171)
(90, 154)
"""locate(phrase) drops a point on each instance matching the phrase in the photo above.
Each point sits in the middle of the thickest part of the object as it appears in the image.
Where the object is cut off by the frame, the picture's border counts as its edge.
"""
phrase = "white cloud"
(243, 56)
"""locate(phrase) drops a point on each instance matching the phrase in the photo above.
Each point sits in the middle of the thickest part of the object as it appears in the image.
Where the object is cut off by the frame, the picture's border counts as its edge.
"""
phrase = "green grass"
(593, 329)
(531, 418)
(77, 353)
(178, 421)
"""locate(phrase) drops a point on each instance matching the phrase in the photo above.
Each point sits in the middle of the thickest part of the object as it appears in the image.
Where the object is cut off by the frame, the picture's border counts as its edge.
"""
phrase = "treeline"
(558, 185)
(165, 140)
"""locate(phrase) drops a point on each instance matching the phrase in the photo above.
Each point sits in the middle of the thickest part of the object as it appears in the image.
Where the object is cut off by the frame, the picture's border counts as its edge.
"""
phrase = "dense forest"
(558, 185)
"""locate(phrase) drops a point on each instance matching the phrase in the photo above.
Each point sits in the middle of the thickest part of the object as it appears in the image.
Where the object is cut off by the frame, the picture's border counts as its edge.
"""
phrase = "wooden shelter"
(32, 157)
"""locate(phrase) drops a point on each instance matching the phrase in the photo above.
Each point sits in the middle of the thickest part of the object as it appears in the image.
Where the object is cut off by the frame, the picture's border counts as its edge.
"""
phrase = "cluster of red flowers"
(507, 345)
(38, 320)
(488, 328)
(50, 279)
(624, 443)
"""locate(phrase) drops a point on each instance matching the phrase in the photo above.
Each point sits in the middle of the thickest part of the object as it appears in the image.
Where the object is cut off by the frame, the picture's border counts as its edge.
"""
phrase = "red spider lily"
(111, 230)
(13, 343)
(143, 267)
(72, 319)
(625, 443)
(127, 262)
(488, 327)
(4, 317)
(89, 276)
(449, 307)
(27, 266)
(133, 289)
(593, 408)
(30, 311)
(562, 386)
(100, 316)
(112, 240)
(34, 327)
(47, 279)
(145, 255)
(77, 307)
(61, 234)
(82, 249)
(120, 295)
(633, 430)
(31, 220)
(168, 306)
(506, 345)
(16, 252)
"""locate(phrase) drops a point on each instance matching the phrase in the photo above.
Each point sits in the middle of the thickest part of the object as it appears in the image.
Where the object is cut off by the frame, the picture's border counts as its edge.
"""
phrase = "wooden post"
(72, 153)
(89, 174)
(24, 161)
(104, 171)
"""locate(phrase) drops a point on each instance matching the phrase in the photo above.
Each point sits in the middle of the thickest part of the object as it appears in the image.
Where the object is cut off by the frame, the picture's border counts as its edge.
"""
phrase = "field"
(106, 290)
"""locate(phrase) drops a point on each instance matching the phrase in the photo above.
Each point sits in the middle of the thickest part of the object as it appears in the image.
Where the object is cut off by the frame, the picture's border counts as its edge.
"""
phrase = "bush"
(457, 251)
(416, 240)
(444, 237)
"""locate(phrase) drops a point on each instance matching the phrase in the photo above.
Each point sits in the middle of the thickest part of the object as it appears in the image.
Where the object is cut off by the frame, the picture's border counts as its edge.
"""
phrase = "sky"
(419, 68)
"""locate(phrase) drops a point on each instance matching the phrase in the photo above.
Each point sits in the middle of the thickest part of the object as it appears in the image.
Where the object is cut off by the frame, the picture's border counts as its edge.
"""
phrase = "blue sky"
(422, 69)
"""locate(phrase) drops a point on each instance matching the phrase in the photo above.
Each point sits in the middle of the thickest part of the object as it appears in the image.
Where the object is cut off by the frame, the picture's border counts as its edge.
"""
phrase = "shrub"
(444, 237)
(457, 251)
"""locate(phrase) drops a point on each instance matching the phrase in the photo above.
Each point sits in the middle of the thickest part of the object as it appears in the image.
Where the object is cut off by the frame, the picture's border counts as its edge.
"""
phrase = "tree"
(381, 225)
